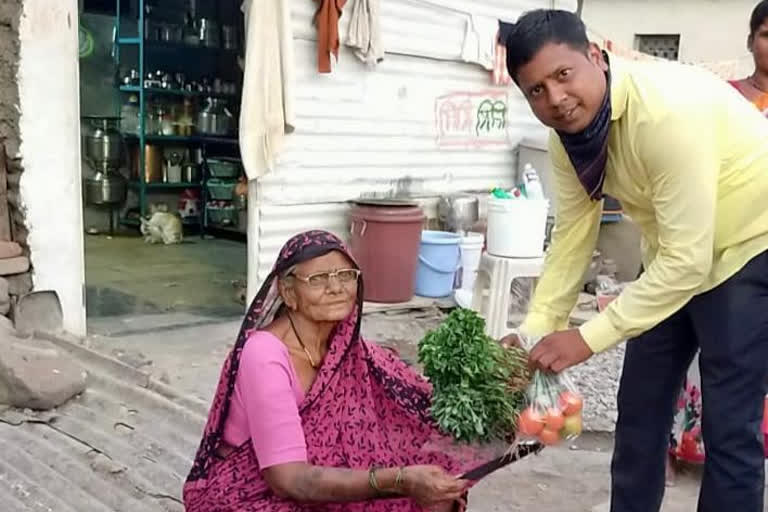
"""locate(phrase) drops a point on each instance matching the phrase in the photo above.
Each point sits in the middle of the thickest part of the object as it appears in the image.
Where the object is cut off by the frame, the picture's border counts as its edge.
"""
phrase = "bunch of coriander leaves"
(478, 385)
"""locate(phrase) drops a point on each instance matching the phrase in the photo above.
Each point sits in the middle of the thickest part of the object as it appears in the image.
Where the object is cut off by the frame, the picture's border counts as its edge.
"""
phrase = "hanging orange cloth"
(327, 23)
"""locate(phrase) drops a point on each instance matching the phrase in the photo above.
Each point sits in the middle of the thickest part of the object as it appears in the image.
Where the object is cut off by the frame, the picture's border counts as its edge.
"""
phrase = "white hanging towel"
(266, 111)
(480, 40)
(364, 34)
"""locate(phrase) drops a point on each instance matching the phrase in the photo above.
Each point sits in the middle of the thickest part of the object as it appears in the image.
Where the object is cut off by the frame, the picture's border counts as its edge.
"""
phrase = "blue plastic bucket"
(439, 259)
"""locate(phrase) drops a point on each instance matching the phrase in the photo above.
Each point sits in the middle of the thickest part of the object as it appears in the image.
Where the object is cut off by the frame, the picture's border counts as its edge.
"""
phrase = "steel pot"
(106, 188)
(458, 213)
(104, 143)
(209, 33)
(215, 118)
(170, 33)
(190, 173)
(151, 29)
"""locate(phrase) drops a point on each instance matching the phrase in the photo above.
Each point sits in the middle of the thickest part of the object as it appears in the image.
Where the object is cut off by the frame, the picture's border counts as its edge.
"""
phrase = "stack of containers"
(221, 181)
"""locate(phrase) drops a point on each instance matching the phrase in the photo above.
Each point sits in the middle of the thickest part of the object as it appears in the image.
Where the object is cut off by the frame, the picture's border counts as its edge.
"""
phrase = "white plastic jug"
(517, 227)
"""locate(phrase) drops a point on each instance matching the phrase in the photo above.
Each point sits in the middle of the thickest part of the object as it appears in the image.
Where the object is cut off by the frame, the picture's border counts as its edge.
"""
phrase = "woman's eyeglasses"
(323, 279)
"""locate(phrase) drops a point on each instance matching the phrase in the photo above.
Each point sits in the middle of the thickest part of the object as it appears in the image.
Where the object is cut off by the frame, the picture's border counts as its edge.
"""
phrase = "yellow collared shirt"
(688, 159)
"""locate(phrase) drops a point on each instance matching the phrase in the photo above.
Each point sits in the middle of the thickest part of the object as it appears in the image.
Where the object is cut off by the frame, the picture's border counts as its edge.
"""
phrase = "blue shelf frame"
(179, 139)
(175, 92)
(141, 185)
(142, 138)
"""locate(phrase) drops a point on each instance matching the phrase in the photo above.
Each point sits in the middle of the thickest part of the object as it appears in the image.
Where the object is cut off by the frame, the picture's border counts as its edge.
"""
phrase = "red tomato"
(570, 402)
(549, 437)
(531, 422)
(554, 420)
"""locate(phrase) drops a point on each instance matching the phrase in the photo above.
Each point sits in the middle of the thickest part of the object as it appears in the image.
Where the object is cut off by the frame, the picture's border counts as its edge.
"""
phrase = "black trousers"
(729, 324)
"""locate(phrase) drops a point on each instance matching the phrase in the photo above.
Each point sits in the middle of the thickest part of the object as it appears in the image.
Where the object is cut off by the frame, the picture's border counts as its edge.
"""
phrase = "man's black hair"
(759, 14)
(537, 28)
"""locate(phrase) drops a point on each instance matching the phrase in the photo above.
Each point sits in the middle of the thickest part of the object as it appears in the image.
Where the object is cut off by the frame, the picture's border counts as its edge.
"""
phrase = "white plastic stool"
(495, 275)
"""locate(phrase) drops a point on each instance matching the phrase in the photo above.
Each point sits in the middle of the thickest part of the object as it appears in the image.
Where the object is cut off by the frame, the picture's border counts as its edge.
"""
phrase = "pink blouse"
(265, 403)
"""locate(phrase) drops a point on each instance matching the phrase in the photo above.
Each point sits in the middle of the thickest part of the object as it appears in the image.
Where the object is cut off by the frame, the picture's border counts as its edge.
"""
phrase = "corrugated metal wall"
(362, 131)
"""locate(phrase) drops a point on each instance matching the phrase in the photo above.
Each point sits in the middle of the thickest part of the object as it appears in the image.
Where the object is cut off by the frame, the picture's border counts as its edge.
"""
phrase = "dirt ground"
(572, 478)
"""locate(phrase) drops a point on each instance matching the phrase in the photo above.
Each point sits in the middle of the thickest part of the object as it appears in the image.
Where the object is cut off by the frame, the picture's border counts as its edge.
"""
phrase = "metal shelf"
(180, 57)
(193, 139)
(177, 92)
(150, 185)
(183, 47)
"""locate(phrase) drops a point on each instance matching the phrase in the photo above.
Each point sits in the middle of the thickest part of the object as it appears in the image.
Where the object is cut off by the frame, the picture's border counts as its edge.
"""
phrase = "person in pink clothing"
(309, 416)
(755, 87)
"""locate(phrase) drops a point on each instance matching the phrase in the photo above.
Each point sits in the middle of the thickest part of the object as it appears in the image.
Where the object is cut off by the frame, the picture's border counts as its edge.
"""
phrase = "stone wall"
(14, 251)
(10, 13)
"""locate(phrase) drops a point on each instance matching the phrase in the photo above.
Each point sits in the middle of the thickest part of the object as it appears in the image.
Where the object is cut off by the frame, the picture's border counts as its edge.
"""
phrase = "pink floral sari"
(366, 408)
(687, 443)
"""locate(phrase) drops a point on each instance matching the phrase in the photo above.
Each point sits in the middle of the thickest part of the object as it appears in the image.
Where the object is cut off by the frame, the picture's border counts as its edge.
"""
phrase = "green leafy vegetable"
(478, 385)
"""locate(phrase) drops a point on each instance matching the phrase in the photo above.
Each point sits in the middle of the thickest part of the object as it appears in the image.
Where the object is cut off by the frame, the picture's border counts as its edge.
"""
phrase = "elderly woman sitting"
(307, 414)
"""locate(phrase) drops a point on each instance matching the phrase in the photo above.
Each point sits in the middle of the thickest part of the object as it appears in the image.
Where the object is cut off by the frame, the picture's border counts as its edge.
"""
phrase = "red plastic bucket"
(385, 238)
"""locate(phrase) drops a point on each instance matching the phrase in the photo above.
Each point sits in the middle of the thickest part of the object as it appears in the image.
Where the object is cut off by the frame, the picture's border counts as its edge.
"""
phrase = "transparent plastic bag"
(554, 406)
(607, 290)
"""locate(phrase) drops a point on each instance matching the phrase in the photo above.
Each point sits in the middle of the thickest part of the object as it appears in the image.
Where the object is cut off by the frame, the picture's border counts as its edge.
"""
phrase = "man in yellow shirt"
(688, 159)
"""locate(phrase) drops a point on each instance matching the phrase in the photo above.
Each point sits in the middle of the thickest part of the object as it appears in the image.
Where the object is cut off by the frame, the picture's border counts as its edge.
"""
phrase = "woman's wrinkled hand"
(430, 486)
(511, 341)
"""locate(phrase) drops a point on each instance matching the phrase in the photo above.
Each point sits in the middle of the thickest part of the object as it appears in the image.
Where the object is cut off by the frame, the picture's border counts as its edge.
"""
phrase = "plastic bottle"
(533, 189)
(129, 116)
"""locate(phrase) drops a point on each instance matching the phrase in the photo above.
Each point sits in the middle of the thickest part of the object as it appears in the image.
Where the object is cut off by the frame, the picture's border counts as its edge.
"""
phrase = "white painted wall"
(50, 151)
(710, 30)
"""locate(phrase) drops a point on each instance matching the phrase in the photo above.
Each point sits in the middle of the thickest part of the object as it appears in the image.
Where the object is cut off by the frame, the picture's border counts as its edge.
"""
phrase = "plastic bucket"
(517, 227)
(439, 259)
(385, 242)
(471, 250)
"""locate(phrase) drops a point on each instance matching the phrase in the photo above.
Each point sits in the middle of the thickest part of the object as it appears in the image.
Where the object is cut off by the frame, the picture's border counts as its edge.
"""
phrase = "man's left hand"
(560, 350)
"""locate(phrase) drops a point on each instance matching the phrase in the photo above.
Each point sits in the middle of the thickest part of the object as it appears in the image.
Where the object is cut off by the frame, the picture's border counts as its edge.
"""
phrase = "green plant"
(478, 386)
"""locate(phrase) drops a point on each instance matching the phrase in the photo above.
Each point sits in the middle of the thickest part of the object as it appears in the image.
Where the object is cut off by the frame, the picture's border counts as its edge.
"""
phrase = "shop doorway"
(164, 195)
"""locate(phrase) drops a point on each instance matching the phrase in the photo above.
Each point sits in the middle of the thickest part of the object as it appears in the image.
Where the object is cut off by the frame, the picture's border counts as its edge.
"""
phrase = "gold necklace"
(301, 342)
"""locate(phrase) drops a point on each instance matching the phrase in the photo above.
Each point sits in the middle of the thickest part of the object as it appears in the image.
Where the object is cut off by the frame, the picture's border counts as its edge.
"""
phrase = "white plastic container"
(471, 249)
(517, 227)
